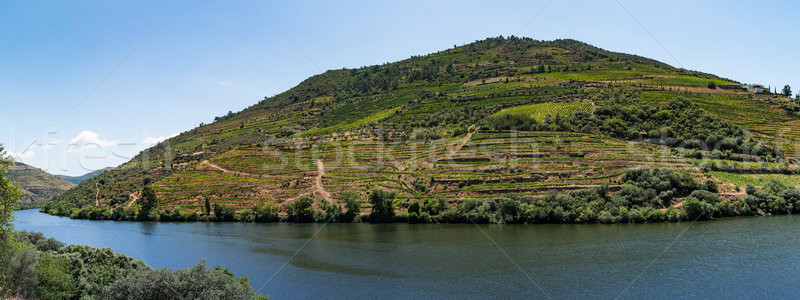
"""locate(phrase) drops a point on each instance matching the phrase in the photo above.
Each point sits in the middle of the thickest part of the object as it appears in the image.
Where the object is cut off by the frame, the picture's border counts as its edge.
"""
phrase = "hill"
(84, 177)
(38, 186)
(494, 117)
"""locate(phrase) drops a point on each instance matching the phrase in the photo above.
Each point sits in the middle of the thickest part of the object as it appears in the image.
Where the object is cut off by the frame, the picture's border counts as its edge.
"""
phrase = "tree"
(149, 200)
(351, 205)
(712, 85)
(300, 210)
(224, 213)
(382, 206)
(9, 193)
(697, 209)
(787, 91)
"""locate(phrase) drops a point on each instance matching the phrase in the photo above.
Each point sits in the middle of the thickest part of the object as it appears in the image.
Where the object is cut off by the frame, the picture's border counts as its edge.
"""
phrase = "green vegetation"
(541, 110)
(9, 193)
(34, 267)
(743, 179)
(465, 127)
(37, 186)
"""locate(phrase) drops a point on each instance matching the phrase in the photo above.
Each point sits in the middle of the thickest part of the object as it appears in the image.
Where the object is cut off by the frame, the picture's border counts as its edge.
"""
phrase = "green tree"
(224, 213)
(149, 200)
(712, 85)
(55, 278)
(697, 209)
(300, 210)
(9, 193)
(351, 206)
(382, 206)
(787, 91)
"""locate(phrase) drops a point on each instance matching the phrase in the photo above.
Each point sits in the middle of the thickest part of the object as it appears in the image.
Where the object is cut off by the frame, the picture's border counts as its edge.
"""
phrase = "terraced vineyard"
(466, 123)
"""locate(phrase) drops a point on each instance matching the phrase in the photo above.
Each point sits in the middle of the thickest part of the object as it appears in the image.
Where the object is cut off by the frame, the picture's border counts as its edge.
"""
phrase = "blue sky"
(210, 57)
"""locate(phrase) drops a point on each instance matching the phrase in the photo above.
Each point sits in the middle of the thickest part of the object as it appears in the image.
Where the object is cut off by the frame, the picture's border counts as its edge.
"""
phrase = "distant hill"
(490, 118)
(84, 177)
(37, 185)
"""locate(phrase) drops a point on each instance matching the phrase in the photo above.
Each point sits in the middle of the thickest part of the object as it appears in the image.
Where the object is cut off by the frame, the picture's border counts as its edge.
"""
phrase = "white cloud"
(151, 141)
(29, 153)
(88, 138)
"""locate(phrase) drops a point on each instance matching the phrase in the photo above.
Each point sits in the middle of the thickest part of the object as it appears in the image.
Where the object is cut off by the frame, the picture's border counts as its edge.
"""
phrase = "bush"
(705, 196)
(711, 186)
(199, 282)
(508, 213)
(606, 217)
(17, 268)
(38, 241)
(268, 212)
(697, 210)
(434, 206)
(224, 213)
(300, 210)
(352, 207)
(382, 206)
(55, 278)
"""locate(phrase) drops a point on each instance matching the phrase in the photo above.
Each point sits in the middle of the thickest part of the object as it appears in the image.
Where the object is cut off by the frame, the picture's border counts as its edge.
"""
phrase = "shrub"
(38, 241)
(198, 282)
(606, 217)
(636, 216)
(434, 206)
(268, 212)
(696, 209)
(508, 212)
(55, 278)
(17, 268)
(351, 206)
(706, 196)
(224, 213)
(300, 210)
(656, 215)
(711, 186)
(382, 206)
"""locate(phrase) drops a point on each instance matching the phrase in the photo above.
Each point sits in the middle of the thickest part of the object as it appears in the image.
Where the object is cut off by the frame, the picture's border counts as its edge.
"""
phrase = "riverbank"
(647, 196)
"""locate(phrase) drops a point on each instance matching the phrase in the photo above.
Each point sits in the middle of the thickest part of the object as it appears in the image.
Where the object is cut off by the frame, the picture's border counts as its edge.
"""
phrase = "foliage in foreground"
(32, 266)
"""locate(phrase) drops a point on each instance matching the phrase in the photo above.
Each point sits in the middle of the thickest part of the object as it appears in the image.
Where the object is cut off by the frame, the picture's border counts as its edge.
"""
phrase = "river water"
(728, 258)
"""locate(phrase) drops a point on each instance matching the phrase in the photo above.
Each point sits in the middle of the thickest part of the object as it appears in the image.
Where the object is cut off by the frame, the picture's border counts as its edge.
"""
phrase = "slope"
(84, 177)
(428, 127)
(37, 185)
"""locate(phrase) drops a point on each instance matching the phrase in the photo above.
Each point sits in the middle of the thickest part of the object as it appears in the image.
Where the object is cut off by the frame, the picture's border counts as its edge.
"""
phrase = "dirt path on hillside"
(318, 182)
(463, 143)
(133, 198)
(217, 167)
(451, 151)
(97, 196)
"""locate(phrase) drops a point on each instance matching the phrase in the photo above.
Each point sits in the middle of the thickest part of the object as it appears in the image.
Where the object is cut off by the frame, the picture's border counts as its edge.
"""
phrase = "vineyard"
(466, 123)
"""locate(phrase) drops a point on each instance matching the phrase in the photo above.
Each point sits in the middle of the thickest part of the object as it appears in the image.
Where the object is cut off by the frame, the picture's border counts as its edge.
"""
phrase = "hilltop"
(37, 186)
(84, 177)
(495, 117)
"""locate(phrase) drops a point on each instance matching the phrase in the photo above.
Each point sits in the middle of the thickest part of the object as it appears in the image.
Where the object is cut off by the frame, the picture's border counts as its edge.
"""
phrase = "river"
(728, 258)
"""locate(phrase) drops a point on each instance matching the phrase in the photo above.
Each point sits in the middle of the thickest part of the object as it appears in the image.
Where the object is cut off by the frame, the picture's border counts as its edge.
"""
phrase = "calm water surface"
(730, 258)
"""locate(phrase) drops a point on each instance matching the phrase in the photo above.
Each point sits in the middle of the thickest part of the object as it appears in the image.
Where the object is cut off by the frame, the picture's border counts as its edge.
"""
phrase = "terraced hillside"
(495, 117)
(37, 186)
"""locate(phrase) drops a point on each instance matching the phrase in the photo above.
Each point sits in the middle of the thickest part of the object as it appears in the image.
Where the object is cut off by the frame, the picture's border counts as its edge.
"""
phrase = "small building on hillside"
(755, 88)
